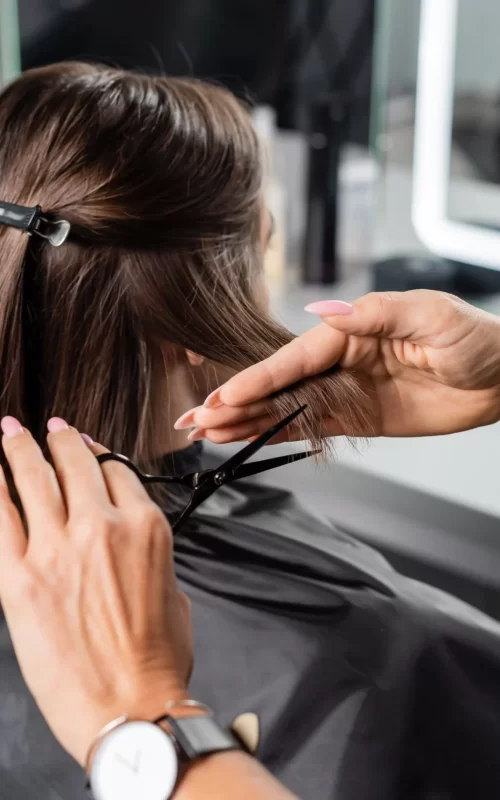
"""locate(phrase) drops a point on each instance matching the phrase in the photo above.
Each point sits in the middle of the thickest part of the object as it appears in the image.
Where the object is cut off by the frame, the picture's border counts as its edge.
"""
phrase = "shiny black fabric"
(368, 686)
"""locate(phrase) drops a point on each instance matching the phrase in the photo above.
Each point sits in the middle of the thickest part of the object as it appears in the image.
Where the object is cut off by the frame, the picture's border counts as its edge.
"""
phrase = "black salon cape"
(368, 685)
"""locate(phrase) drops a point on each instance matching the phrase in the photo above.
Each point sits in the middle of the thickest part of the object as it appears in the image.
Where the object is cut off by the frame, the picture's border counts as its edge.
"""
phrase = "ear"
(194, 359)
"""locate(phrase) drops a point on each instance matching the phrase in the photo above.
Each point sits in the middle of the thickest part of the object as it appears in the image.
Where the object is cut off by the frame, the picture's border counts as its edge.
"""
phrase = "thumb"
(415, 315)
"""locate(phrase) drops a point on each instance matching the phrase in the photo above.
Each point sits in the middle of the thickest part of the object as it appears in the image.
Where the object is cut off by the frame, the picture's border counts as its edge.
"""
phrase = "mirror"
(456, 188)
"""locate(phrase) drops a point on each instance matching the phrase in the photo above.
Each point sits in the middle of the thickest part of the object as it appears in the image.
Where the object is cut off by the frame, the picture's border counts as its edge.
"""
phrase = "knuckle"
(454, 303)
(35, 472)
(378, 309)
(391, 297)
(383, 299)
(304, 354)
(379, 300)
(97, 525)
(49, 561)
(152, 514)
(233, 388)
(150, 518)
(440, 305)
(27, 589)
(373, 308)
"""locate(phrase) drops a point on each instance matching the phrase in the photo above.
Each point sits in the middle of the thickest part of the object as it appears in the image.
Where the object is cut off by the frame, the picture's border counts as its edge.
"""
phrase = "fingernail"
(326, 308)
(57, 424)
(185, 421)
(196, 435)
(87, 439)
(11, 427)
(212, 400)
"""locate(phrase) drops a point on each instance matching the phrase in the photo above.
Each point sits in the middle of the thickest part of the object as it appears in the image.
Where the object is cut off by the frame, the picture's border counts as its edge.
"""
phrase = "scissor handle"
(143, 476)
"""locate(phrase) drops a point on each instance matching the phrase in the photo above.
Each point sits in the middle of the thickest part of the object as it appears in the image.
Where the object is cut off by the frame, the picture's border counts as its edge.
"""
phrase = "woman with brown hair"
(160, 180)
(156, 294)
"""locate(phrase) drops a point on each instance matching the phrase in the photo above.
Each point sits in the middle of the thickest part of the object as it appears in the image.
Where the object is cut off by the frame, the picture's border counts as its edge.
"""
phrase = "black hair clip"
(203, 484)
(30, 220)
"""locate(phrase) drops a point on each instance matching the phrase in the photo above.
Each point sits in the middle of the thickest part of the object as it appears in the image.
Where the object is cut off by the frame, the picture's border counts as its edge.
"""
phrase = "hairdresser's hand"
(429, 361)
(98, 624)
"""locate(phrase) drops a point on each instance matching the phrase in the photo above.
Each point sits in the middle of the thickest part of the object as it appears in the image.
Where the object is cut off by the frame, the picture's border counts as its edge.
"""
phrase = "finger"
(414, 315)
(13, 542)
(222, 417)
(123, 484)
(80, 476)
(35, 480)
(234, 433)
(251, 430)
(309, 354)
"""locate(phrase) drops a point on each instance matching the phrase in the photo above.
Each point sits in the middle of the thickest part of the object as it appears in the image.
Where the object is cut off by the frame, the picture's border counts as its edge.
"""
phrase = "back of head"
(160, 179)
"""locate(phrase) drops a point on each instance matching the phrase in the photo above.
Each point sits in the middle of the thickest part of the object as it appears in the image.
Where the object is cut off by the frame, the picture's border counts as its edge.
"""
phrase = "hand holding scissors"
(203, 484)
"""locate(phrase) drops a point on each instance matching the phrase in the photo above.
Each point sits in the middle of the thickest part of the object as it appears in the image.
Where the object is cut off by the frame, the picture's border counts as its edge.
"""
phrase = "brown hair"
(160, 179)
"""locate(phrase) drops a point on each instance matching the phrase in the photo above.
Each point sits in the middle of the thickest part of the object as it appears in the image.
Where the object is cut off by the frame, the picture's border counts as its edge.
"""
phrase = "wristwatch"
(141, 760)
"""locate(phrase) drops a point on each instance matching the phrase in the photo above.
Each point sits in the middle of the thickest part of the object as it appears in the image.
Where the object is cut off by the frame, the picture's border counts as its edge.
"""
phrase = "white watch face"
(136, 761)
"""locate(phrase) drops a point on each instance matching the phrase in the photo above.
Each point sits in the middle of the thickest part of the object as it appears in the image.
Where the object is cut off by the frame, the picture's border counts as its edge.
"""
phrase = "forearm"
(230, 776)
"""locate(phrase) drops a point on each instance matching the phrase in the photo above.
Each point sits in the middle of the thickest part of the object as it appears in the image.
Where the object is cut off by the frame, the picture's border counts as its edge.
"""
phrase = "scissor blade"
(246, 470)
(253, 447)
(201, 492)
(182, 518)
(228, 470)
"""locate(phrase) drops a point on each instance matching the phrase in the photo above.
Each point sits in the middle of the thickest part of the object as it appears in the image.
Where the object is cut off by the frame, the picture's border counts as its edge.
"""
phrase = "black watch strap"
(200, 736)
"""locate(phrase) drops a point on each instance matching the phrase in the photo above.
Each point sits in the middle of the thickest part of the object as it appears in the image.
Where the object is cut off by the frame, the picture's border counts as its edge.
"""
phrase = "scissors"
(205, 482)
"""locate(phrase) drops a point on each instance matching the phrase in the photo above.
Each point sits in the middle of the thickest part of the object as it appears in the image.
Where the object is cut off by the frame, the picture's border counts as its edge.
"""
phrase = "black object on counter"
(402, 273)
(326, 139)
(329, 114)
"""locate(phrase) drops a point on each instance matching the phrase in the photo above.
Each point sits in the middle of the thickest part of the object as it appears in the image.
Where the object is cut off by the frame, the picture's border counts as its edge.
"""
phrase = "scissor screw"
(219, 477)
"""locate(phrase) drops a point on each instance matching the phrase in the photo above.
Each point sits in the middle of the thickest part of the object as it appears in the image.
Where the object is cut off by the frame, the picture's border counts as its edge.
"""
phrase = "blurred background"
(382, 124)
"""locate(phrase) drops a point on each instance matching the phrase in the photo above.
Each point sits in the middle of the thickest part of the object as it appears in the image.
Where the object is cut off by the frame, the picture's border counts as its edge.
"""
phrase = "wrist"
(161, 761)
(149, 701)
(145, 703)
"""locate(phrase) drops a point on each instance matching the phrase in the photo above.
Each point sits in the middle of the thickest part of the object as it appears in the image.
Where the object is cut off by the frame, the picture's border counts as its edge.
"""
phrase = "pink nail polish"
(11, 427)
(87, 439)
(56, 424)
(185, 421)
(213, 401)
(326, 308)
